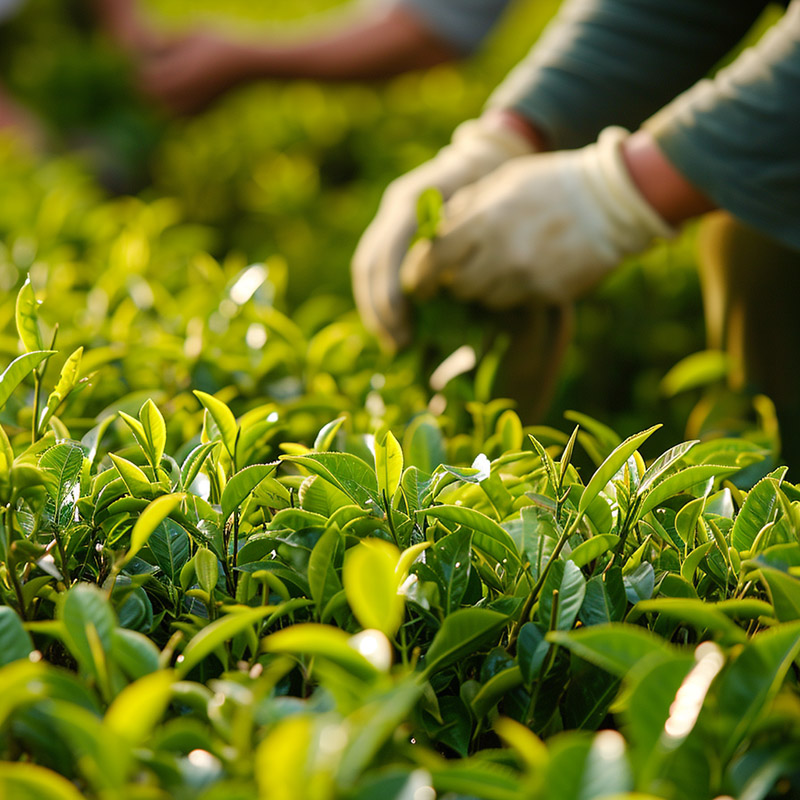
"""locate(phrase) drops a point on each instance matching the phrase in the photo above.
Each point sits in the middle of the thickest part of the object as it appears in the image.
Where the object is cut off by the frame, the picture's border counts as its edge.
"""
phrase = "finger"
(438, 262)
(376, 285)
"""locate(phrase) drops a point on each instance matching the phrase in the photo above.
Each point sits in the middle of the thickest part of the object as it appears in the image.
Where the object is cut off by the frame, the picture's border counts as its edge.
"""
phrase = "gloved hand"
(548, 226)
(478, 146)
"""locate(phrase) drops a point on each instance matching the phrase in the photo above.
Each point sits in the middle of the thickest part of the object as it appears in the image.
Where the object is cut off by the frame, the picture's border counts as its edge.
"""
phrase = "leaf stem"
(37, 383)
(62, 556)
(533, 596)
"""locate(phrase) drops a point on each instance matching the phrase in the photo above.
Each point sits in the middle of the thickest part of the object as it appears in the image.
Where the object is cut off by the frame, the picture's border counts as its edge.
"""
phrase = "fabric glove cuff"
(632, 222)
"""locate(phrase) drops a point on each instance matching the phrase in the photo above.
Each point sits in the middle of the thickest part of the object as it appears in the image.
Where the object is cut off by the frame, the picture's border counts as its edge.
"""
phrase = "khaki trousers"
(750, 295)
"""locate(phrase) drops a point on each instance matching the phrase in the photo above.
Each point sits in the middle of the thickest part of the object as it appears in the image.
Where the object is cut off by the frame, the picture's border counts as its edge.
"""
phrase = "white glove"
(548, 226)
(476, 149)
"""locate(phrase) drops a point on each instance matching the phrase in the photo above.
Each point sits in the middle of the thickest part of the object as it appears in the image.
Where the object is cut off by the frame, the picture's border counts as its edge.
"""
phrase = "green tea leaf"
(371, 584)
(133, 653)
(697, 613)
(22, 780)
(87, 616)
(327, 434)
(66, 383)
(139, 706)
(155, 431)
(615, 647)
(27, 313)
(346, 472)
(155, 513)
(664, 462)
(488, 537)
(15, 643)
(18, 370)
(692, 561)
(388, 465)
(532, 648)
(605, 599)
(680, 482)
(136, 482)
(194, 462)
(756, 512)
(611, 465)
(747, 687)
(170, 546)
(321, 641)
(462, 633)
(423, 444)
(381, 720)
(64, 462)
(566, 578)
(784, 592)
(593, 548)
(322, 578)
(206, 567)
(217, 633)
(223, 418)
(242, 485)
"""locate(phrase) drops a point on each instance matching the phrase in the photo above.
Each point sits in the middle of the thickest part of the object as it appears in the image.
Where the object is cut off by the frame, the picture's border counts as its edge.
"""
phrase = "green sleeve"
(737, 137)
(462, 23)
(616, 62)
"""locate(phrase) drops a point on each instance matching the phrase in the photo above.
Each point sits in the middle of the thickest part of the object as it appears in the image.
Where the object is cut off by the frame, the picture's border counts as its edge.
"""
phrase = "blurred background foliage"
(286, 174)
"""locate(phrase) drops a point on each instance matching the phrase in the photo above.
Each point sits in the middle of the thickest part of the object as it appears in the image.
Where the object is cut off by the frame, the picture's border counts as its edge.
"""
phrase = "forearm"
(385, 43)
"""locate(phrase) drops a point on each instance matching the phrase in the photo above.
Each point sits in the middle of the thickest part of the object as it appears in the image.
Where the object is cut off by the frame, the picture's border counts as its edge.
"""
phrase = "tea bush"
(358, 617)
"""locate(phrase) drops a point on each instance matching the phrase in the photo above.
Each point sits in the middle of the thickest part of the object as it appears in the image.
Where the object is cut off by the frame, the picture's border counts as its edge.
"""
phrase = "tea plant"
(358, 617)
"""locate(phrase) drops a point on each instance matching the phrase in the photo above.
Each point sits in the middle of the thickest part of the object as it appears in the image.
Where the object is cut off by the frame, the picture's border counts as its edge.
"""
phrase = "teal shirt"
(462, 23)
(736, 137)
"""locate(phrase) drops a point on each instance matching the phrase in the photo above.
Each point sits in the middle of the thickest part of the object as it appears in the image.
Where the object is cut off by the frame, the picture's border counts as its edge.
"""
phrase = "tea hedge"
(355, 618)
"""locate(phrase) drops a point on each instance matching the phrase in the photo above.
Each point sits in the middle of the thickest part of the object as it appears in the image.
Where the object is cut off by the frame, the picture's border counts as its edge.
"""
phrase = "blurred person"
(15, 119)
(548, 191)
(371, 40)
(119, 18)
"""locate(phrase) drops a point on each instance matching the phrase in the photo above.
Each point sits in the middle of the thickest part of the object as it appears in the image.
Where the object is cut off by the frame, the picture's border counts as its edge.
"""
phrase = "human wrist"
(661, 185)
(509, 120)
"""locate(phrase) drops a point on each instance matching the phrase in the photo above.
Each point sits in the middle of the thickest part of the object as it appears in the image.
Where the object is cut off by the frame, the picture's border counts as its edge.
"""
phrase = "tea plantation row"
(358, 618)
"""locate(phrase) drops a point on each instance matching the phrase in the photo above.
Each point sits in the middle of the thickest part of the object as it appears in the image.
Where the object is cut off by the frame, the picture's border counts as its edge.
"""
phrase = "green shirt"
(736, 137)
(462, 23)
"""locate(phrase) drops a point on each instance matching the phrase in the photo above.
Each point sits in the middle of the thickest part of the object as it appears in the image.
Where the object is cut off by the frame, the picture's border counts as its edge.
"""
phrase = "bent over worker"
(549, 190)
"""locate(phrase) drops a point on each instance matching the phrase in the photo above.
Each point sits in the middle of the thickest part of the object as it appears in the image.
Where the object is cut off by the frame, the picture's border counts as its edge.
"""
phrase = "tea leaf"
(18, 370)
(489, 536)
(155, 513)
(242, 485)
(371, 584)
(747, 687)
(139, 706)
(223, 418)
(462, 633)
(27, 314)
(321, 641)
(679, 482)
(615, 647)
(21, 780)
(15, 643)
(388, 465)
(212, 636)
(155, 431)
(593, 548)
(611, 465)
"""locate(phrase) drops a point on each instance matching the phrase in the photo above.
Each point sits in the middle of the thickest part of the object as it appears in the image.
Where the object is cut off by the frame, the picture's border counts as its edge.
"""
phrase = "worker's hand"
(187, 73)
(548, 226)
(477, 148)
